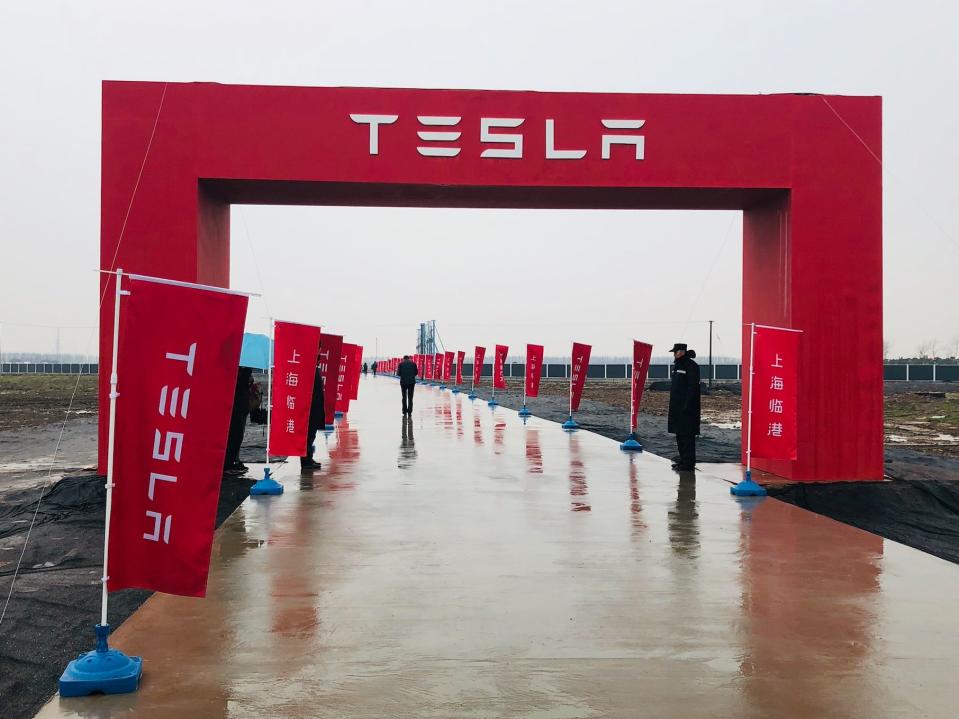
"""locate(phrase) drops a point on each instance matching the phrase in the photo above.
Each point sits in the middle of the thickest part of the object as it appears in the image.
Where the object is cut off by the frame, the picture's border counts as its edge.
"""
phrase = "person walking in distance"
(373, 367)
(317, 421)
(407, 373)
(684, 406)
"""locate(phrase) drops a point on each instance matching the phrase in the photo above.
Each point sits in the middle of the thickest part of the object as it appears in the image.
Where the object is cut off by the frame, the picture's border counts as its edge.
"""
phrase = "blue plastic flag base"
(455, 390)
(338, 414)
(267, 485)
(747, 488)
(104, 670)
(329, 427)
(570, 424)
(631, 444)
(471, 395)
(442, 386)
(524, 412)
(492, 403)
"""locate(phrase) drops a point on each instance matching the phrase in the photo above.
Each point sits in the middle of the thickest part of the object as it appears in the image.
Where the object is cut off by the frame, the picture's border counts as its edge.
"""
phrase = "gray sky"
(53, 56)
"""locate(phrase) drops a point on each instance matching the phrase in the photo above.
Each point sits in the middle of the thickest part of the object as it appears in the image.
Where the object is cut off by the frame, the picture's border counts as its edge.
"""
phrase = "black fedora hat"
(678, 346)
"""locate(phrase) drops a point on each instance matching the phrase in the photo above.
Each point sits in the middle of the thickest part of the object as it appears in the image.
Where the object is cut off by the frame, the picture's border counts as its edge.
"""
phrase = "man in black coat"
(407, 373)
(317, 421)
(684, 406)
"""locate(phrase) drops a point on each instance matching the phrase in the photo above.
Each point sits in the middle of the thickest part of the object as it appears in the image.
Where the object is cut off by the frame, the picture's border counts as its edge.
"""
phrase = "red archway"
(803, 168)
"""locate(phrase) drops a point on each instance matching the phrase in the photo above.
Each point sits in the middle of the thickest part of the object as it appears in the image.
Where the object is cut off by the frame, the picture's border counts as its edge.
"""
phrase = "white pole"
(111, 441)
(269, 391)
(749, 430)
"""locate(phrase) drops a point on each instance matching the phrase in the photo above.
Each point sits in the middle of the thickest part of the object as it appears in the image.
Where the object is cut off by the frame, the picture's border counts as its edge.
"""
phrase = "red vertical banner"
(447, 366)
(294, 368)
(534, 369)
(460, 357)
(429, 366)
(357, 370)
(642, 353)
(478, 355)
(344, 377)
(579, 366)
(774, 389)
(177, 365)
(438, 367)
(499, 361)
(330, 354)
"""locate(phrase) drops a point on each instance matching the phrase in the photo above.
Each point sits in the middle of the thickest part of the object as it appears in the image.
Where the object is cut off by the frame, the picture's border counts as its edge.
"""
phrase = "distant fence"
(721, 372)
(47, 368)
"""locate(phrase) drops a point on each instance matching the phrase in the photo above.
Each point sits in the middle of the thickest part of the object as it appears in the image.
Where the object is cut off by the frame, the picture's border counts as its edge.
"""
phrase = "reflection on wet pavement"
(467, 579)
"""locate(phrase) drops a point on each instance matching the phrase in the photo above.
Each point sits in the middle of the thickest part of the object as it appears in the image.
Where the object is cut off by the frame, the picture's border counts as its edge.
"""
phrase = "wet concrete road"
(466, 565)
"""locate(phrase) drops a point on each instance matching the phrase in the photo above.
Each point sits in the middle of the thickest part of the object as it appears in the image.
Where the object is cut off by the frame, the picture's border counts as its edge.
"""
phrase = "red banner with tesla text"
(479, 354)
(642, 352)
(534, 369)
(460, 358)
(579, 365)
(177, 366)
(294, 368)
(499, 361)
(344, 377)
(447, 366)
(331, 348)
(774, 388)
(357, 370)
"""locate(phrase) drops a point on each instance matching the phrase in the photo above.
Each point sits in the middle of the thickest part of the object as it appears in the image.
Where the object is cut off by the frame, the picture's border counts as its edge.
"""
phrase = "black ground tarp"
(920, 513)
(56, 600)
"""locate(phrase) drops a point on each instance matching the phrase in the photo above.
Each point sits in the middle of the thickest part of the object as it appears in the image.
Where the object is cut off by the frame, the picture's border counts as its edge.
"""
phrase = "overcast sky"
(486, 276)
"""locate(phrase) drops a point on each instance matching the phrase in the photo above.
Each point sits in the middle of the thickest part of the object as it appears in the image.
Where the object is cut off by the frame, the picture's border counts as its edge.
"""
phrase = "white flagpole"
(111, 440)
(269, 390)
(749, 416)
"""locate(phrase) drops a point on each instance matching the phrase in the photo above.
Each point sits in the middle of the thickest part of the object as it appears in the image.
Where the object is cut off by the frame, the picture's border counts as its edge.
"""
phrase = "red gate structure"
(804, 169)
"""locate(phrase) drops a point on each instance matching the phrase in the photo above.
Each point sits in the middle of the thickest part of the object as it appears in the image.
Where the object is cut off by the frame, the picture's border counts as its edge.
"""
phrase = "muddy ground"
(56, 598)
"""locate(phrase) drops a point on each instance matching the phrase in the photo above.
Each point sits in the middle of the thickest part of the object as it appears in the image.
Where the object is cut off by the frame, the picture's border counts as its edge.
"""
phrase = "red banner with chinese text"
(177, 368)
(438, 367)
(478, 355)
(534, 369)
(331, 348)
(429, 366)
(579, 365)
(499, 361)
(775, 385)
(642, 353)
(460, 358)
(294, 368)
(447, 366)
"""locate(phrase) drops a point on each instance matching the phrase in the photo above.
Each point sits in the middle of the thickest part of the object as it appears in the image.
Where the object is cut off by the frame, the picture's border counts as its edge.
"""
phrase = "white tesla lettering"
(486, 123)
(374, 121)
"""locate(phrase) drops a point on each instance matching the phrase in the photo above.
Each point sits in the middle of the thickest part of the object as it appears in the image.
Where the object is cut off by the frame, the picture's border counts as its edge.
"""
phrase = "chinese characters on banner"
(499, 360)
(642, 352)
(438, 367)
(294, 368)
(478, 355)
(429, 366)
(460, 357)
(177, 366)
(447, 366)
(331, 347)
(579, 365)
(534, 369)
(775, 389)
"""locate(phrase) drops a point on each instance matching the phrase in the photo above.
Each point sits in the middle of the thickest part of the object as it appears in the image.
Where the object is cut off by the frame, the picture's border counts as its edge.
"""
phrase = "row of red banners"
(178, 353)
